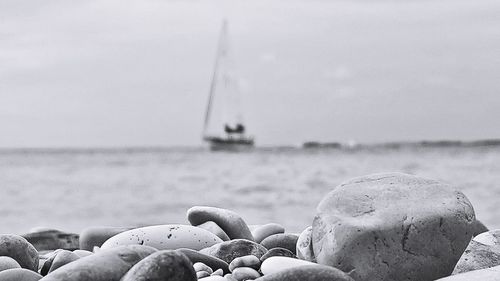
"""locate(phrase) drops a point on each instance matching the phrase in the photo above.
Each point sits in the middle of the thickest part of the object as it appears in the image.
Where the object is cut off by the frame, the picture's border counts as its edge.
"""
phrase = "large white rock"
(392, 227)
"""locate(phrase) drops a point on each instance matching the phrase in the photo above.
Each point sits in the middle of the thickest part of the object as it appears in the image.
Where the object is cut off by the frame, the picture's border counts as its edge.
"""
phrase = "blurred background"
(102, 105)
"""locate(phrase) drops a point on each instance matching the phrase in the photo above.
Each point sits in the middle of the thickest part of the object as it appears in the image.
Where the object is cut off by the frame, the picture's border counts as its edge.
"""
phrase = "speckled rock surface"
(483, 252)
(392, 227)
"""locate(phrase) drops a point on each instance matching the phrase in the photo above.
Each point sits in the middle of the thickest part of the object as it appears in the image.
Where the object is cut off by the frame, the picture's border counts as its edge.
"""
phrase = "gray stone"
(483, 252)
(19, 249)
(53, 239)
(105, 265)
(232, 224)
(63, 257)
(19, 274)
(304, 245)
(392, 227)
(478, 227)
(262, 231)
(277, 252)
(307, 273)
(8, 263)
(229, 250)
(487, 274)
(281, 240)
(215, 229)
(211, 261)
(162, 265)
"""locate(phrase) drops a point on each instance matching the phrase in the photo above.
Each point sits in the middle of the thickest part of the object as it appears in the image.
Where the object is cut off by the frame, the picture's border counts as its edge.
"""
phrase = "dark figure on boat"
(239, 129)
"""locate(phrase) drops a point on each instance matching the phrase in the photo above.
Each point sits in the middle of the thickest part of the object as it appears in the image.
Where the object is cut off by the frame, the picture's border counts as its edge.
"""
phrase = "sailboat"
(233, 137)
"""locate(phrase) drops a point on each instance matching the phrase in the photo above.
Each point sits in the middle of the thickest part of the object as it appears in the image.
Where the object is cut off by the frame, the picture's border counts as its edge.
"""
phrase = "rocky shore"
(378, 227)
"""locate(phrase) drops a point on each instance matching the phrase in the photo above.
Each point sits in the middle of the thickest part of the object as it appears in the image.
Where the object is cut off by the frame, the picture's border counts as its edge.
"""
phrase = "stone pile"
(388, 227)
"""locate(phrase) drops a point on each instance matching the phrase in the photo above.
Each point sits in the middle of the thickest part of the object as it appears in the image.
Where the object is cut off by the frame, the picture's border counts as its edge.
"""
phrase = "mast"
(221, 51)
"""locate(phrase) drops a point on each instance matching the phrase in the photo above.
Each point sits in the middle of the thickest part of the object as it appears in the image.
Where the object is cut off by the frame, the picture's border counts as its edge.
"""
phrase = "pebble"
(277, 252)
(163, 265)
(229, 277)
(263, 231)
(392, 227)
(281, 240)
(8, 263)
(232, 224)
(165, 237)
(214, 278)
(61, 258)
(213, 262)
(229, 250)
(245, 261)
(202, 274)
(482, 252)
(275, 264)
(219, 272)
(19, 249)
(245, 273)
(314, 272)
(53, 239)
(105, 265)
(95, 236)
(19, 274)
(215, 229)
(199, 266)
(304, 245)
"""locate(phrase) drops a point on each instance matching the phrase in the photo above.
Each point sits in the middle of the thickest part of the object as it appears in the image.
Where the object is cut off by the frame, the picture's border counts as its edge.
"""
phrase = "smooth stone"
(245, 261)
(95, 236)
(304, 245)
(214, 278)
(263, 231)
(393, 227)
(313, 272)
(229, 277)
(219, 272)
(281, 240)
(213, 262)
(478, 227)
(202, 274)
(8, 263)
(19, 274)
(215, 229)
(162, 265)
(245, 273)
(230, 222)
(482, 252)
(275, 264)
(82, 253)
(105, 265)
(165, 237)
(229, 250)
(199, 266)
(61, 258)
(19, 249)
(486, 274)
(53, 239)
(277, 252)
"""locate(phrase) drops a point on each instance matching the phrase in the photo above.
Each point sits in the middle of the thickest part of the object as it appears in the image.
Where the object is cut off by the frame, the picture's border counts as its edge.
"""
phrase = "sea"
(71, 189)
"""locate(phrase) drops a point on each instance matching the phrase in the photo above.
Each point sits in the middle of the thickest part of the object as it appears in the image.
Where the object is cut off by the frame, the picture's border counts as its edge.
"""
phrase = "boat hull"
(230, 144)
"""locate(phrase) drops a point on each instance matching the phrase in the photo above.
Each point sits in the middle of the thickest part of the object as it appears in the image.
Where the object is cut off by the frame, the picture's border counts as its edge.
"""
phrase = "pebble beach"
(428, 218)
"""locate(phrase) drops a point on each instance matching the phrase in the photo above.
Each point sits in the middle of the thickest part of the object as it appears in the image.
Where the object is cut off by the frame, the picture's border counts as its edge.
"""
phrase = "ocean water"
(74, 189)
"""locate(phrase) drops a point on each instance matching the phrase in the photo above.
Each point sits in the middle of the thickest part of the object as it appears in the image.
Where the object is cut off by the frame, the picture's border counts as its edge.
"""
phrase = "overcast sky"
(137, 73)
